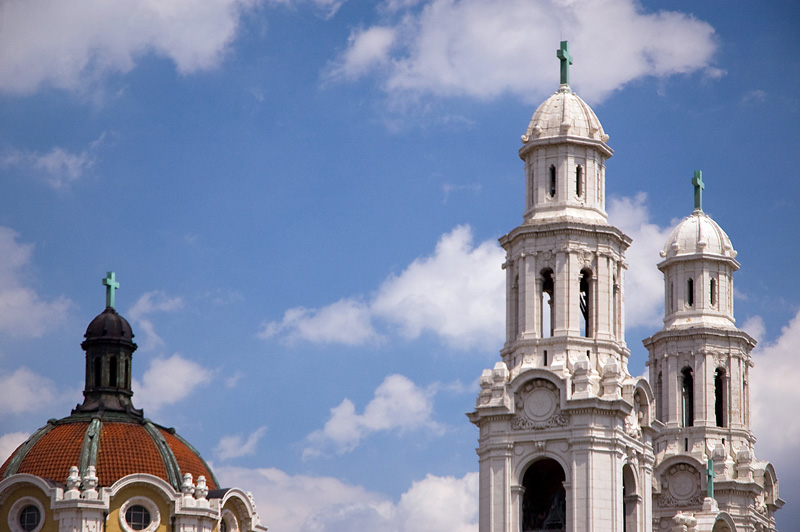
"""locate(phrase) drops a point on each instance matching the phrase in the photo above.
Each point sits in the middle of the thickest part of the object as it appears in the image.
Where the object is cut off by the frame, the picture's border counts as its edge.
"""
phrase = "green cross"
(566, 60)
(697, 181)
(111, 284)
(710, 476)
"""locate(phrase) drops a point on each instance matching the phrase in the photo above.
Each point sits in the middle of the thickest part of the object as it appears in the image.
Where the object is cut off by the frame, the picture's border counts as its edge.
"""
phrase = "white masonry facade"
(569, 440)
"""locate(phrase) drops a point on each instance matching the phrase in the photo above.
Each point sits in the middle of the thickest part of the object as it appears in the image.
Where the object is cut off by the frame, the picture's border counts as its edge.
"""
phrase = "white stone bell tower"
(565, 431)
(699, 369)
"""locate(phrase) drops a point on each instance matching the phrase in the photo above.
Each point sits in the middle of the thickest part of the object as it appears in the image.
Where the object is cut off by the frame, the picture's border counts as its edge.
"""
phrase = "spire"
(109, 349)
(566, 60)
(697, 181)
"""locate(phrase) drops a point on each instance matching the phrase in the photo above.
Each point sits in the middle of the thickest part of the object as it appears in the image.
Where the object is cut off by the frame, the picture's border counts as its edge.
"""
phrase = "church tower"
(565, 431)
(699, 367)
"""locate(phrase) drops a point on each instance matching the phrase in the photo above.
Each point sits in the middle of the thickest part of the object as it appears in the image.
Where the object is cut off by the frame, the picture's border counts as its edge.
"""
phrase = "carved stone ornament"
(720, 360)
(538, 407)
(682, 485)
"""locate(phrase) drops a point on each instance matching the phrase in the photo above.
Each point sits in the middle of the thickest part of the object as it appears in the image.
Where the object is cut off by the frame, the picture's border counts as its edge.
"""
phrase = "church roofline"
(704, 332)
(562, 226)
(565, 139)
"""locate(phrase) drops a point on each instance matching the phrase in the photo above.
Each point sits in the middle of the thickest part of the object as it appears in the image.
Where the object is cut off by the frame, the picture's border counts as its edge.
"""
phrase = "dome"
(564, 113)
(109, 325)
(698, 234)
(116, 444)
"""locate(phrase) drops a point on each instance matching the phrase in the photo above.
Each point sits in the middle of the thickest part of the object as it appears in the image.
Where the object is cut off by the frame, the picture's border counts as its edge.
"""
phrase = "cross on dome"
(697, 181)
(111, 284)
(566, 60)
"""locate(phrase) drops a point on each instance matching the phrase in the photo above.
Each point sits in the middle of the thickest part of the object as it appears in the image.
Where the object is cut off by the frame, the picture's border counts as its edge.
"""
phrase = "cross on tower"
(111, 284)
(566, 60)
(697, 181)
(710, 474)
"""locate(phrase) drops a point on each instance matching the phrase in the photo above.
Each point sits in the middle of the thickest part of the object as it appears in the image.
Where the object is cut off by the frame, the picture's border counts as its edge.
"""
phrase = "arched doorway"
(544, 504)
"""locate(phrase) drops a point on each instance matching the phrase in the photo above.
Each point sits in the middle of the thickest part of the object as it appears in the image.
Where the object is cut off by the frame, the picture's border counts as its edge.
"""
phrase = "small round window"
(137, 517)
(29, 518)
(25, 515)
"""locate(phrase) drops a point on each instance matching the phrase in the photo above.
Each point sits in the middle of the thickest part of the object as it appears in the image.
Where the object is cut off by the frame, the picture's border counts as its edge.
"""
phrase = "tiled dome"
(564, 113)
(116, 444)
(698, 234)
(106, 431)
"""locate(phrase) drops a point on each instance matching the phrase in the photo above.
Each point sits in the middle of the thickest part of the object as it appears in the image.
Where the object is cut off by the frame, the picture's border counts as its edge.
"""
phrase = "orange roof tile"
(55, 452)
(188, 461)
(127, 448)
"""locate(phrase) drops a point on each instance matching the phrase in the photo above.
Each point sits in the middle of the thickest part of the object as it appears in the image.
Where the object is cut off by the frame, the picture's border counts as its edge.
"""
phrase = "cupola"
(699, 261)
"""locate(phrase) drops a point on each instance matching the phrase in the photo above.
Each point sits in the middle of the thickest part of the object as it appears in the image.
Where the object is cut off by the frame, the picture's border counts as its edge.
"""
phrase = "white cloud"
(9, 443)
(775, 393)
(398, 405)
(154, 301)
(235, 446)
(25, 391)
(486, 48)
(644, 283)
(347, 321)
(302, 503)
(71, 44)
(366, 49)
(754, 326)
(439, 504)
(167, 381)
(457, 293)
(22, 310)
(60, 167)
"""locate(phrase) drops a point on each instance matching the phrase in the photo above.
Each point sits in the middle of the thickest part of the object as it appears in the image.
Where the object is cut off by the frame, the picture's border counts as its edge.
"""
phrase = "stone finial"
(90, 482)
(74, 479)
(583, 378)
(612, 382)
(485, 394)
(500, 373)
(201, 490)
(73, 484)
(187, 487)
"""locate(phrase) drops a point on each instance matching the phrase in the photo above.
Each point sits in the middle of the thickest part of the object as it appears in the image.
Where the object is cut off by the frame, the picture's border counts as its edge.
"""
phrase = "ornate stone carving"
(682, 488)
(538, 407)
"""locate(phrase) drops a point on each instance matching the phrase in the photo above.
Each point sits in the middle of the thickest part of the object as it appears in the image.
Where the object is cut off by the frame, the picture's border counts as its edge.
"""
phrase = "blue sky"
(302, 199)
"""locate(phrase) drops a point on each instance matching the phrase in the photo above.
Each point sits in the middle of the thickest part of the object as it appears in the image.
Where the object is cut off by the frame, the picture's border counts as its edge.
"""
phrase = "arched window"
(98, 371)
(690, 292)
(547, 303)
(579, 181)
(552, 183)
(687, 397)
(719, 396)
(659, 398)
(544, 499)
(112, 371)
(630, 499)
(713, 292)
(585, 295)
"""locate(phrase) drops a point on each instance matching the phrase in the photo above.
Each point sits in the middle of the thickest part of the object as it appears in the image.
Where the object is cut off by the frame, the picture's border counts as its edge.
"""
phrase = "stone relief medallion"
(540, 404)
(683, 487)
(538, 407)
